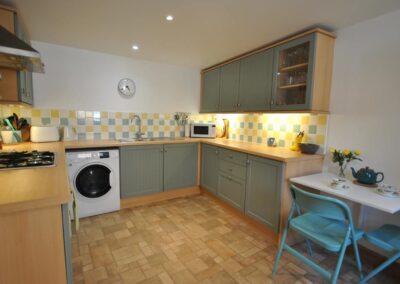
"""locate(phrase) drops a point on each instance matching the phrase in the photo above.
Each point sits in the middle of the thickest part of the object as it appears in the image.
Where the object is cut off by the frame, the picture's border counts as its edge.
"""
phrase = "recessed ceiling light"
(135, 47)
(169, 18)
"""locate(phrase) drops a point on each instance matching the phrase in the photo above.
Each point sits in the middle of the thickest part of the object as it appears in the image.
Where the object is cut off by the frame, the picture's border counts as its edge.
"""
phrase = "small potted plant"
(343, 158)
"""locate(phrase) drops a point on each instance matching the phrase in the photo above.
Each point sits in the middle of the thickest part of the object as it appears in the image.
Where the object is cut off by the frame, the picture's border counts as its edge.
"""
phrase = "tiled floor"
(188, 240)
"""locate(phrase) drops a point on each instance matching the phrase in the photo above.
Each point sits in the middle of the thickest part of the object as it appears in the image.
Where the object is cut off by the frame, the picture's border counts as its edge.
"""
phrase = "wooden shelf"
(292, 86)
(293, 67)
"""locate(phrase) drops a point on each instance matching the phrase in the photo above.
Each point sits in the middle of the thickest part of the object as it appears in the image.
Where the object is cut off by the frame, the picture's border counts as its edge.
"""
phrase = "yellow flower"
(332, 150)
(357, 152)
(346, 152)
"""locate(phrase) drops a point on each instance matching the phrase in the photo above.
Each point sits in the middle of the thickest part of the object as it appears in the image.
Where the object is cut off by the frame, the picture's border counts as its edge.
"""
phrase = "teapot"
(367, 175)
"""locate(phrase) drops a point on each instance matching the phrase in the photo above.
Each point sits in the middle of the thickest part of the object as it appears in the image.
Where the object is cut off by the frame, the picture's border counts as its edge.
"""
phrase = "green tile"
(312, 129)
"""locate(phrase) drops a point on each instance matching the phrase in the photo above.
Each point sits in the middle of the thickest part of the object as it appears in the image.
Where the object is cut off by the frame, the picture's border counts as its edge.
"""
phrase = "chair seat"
(386, 237)
(328, 233)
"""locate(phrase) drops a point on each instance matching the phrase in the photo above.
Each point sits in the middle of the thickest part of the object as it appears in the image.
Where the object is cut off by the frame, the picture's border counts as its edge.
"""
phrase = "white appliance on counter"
(203, 130)
(95, 178)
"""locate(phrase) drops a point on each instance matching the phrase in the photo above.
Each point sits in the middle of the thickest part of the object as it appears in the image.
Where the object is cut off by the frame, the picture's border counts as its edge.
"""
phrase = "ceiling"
(203, 33)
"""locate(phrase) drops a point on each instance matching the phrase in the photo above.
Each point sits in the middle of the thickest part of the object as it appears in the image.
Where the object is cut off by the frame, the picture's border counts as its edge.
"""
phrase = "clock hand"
(127, 87)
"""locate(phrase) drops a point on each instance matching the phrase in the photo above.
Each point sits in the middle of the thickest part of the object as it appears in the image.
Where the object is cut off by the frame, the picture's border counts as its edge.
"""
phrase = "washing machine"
(95, 177)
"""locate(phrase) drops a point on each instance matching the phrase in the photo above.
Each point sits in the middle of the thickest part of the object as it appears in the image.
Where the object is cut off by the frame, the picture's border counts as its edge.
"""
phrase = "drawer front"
(233, 169)
(233, 156)
(231, 190)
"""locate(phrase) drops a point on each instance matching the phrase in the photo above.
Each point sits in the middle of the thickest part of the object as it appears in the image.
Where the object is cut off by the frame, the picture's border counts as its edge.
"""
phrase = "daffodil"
(332, 150)
(346, 152)
(357, 152)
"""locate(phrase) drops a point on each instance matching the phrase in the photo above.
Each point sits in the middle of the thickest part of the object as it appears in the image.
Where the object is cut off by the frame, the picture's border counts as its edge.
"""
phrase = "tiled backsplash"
(256, 128)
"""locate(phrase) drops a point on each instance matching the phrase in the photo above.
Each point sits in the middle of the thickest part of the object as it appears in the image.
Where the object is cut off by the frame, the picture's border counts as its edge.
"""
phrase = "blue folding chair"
(387, 238)
(325, 221)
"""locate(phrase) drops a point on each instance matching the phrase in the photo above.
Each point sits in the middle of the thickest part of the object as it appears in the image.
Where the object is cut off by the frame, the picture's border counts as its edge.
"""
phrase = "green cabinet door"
(263, 190)
(141, 170)
(255, 84)
(180, 165)
(209, 168)
(229, 87)
(293, 74)
(231, 189)
(210, 96)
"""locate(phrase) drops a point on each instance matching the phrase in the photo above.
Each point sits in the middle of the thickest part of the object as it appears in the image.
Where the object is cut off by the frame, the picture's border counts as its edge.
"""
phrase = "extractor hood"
(17, 54)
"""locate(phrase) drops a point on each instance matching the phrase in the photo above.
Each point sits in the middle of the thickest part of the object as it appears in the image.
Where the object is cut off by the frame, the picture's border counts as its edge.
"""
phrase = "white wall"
(86, 80)
(365, 102)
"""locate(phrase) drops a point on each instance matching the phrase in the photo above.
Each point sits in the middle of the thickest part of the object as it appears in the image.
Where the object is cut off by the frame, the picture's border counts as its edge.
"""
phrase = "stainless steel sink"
(143, 139)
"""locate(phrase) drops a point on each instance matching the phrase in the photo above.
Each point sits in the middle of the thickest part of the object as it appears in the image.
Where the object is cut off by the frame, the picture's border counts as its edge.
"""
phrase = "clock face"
(126, 87)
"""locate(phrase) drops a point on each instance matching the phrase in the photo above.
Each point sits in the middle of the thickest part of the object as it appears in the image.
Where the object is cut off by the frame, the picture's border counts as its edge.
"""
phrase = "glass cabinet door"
(293, 66)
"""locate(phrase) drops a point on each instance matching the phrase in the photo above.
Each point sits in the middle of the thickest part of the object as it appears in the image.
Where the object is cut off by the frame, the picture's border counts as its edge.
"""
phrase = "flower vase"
(342, 169)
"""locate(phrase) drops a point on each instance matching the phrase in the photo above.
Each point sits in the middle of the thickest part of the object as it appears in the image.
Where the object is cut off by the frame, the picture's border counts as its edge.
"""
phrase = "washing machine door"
(93, 181)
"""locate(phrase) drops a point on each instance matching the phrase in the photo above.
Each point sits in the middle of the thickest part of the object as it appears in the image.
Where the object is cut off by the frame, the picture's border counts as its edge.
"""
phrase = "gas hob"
(25, 159)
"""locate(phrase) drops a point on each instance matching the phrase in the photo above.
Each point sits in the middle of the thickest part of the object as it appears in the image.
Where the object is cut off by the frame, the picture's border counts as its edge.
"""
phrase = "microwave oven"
(203, 130)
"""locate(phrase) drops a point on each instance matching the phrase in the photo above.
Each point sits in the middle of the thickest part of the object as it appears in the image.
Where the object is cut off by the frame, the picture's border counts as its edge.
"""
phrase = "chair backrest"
(321, 205)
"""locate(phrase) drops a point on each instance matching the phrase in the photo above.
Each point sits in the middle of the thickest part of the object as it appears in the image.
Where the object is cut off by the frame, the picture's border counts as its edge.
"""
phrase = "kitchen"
(181, 236)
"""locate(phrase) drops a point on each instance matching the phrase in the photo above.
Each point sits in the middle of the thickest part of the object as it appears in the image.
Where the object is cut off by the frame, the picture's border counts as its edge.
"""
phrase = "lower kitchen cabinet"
(209, 168)
(67, 243)
(232, 190)
(141, 170)
(180, 165)
(263, 188)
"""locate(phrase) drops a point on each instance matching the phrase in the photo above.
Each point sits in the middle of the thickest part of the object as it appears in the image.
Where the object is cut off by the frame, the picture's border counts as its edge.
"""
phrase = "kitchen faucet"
(138, 133)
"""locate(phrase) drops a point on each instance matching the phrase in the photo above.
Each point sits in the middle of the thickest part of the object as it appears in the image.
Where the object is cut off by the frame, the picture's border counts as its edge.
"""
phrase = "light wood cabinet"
(291, 75)
(16, 87)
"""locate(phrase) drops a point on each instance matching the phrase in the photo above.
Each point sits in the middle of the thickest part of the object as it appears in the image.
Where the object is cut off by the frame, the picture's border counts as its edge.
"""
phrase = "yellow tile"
(103, 114)
(144, 115)
(167, 117)
(118, 128)
(89, 128)
(290, 119)
(289, 136)
(36, 112)
(145, 128)
(156, 127)
(55, 113)
(305, 119)
(264, 133)
(254, 133)
(104, 128)
(72, 114)
(118, 115)
(131, 127)
(322, 119)
(156, 116)
(320, 139)
(167, 128)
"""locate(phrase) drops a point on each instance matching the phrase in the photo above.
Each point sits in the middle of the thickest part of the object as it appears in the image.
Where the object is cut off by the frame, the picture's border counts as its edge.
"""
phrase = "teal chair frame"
(331, 211)
(387, 238)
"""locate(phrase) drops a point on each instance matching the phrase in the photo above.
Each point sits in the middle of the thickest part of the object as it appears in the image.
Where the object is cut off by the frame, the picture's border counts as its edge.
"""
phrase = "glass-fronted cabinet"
(293, 68)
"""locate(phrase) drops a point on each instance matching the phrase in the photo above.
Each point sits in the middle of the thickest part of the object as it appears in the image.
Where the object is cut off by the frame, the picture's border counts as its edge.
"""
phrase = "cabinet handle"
(165, 150)
(272, 102)
(230, 157)
(229, 177)
(28, 94)
(216, 152)
(230, 170)
(238, 105)
(1, 76)
(248, 162)
(161, 150)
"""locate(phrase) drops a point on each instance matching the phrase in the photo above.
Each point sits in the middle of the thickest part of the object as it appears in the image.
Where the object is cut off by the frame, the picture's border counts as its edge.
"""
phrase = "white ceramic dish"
(388, 191)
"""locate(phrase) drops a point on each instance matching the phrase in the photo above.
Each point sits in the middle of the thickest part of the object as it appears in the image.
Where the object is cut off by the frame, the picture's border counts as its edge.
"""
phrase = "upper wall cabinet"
(291, 75)
(15, 86)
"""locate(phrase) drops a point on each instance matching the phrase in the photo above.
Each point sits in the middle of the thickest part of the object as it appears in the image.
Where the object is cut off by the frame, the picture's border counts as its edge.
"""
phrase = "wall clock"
(126, 87)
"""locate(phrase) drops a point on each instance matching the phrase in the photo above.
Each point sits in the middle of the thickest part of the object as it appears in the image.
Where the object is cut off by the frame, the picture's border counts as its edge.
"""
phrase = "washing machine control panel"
(104, 155)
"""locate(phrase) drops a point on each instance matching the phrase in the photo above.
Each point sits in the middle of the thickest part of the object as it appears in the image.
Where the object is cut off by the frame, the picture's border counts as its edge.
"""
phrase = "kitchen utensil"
(10, 137)
(14, 132)
(308, 148)
(45, 134)
(367, 175)
(297, 141)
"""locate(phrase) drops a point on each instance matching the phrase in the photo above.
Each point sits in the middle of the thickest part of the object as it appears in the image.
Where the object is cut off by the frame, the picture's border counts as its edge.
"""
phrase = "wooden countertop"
(23, 189)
